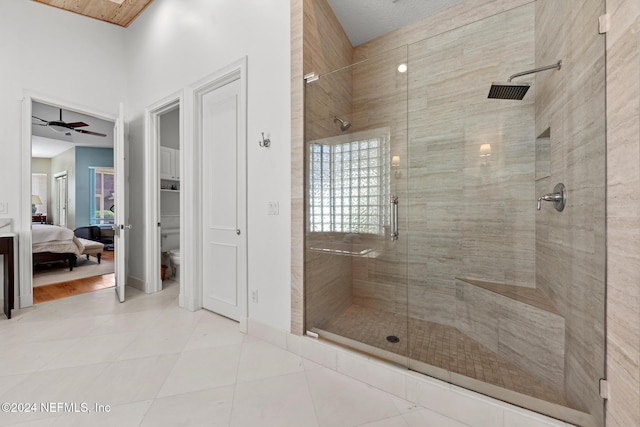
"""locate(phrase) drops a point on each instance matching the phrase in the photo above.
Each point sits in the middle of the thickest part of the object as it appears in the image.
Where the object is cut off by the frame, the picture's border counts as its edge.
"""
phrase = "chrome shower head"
(517, 90)
(344, 125)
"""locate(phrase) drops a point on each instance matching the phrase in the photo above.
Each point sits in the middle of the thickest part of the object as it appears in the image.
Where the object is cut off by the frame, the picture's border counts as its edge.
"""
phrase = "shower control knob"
(558, 197)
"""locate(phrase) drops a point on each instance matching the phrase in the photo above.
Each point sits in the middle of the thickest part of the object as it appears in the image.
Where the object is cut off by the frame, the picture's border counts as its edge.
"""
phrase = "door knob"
(238, 231)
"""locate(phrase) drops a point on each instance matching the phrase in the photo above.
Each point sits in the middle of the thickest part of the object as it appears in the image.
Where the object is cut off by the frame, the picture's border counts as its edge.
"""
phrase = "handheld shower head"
(516, 90)
(344, 125)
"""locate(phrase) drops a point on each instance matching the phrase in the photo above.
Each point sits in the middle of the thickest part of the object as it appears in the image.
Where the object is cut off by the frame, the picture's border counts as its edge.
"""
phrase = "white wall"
(176, 43)
(33, 40)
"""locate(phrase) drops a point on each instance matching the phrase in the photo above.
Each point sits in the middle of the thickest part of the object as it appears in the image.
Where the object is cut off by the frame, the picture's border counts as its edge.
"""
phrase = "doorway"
(75, 150)
(164, 135)
(169, 206)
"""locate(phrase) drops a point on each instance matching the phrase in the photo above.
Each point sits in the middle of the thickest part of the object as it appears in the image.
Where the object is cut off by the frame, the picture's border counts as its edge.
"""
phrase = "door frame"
(192, 220)
(152, 202)
(25, 263)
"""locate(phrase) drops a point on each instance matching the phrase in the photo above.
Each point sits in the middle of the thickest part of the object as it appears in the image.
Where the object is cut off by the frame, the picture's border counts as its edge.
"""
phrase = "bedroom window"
(101, 183)
(39, 188)
(350, 184)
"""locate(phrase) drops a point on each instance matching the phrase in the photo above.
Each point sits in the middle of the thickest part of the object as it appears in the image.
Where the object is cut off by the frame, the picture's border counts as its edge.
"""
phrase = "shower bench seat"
(517, 322)
(525, 295)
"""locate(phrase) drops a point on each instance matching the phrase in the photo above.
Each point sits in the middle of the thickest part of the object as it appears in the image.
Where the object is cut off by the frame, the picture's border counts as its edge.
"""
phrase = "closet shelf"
(169, 190)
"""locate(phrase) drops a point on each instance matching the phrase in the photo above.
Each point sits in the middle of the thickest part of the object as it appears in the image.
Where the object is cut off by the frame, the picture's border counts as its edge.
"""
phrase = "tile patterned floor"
(441, 346)
(158, 365)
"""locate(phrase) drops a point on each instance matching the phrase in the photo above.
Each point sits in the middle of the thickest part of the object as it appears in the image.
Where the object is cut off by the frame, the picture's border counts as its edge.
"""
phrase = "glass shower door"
(506, 297)
(356, 227)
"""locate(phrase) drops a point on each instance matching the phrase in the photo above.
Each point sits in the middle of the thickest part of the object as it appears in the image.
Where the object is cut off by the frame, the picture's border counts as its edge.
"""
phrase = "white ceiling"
(47, 143)
(364, 20)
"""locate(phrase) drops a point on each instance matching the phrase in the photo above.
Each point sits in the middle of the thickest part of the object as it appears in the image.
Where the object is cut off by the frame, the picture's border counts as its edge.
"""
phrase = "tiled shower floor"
(441, 346)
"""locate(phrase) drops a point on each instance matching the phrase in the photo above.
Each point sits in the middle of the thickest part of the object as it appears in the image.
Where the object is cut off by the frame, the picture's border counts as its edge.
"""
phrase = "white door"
(119, 226)
(224, 201)
(61, 195)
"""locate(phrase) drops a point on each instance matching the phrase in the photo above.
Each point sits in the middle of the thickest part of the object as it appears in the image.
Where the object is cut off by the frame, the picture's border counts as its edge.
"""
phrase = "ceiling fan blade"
(77, 124)
(42, 120)
(88, 132)
(40, 124)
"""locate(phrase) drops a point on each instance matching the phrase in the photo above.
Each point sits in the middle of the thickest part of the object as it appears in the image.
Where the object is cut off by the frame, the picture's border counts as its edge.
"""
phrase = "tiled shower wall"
(570, 245)
(623, 213)
(326, 48)
(469, 212)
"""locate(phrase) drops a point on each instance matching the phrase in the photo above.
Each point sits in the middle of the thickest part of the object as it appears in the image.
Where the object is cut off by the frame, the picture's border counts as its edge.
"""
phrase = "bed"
(51, 243)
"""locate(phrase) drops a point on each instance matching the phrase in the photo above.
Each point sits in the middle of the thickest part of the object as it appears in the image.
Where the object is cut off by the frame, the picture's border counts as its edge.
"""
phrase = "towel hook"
(266, 142)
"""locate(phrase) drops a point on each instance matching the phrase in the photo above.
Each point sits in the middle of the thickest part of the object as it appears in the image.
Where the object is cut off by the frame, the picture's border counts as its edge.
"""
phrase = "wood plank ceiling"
(116, 12)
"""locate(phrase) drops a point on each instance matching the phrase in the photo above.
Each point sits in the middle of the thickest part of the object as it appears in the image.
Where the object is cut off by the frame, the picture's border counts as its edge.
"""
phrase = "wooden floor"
(74, 287)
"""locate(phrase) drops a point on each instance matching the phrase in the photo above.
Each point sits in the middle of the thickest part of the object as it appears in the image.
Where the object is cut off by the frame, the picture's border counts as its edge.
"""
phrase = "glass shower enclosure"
(425, 242)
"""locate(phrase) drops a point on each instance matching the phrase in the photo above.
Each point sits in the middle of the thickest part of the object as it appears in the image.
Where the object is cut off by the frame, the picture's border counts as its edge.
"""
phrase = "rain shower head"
(344, 125)
(508, 90)
(516, 90)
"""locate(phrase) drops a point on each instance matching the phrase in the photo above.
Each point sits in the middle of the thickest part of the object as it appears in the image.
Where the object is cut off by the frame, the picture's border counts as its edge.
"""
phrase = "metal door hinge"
(604, 388)
(311, 77)
(603, 23)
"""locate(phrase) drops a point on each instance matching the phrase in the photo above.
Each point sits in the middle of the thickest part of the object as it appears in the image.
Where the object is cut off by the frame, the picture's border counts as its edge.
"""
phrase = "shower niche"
(479, 289)
(543, 155)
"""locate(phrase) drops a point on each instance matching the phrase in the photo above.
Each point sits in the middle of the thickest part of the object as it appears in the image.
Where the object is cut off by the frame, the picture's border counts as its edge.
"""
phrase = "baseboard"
(136, 282)
(24, 301)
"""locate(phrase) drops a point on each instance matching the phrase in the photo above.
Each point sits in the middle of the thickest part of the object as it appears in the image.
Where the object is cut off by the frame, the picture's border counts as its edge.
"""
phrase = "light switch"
(4, 207)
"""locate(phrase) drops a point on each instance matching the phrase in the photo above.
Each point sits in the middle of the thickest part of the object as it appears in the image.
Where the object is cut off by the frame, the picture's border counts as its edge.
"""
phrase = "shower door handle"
(394, 217)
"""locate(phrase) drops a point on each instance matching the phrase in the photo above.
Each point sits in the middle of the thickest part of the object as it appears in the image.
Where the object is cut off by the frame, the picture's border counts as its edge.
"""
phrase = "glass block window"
(349, 185)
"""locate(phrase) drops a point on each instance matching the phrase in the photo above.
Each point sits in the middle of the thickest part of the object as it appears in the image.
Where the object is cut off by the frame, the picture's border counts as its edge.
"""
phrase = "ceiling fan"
(64, 127)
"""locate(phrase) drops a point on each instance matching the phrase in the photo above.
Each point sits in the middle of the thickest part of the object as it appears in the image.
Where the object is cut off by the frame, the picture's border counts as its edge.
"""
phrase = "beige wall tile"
(623, 213)
(570, 261)
(297, 169)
